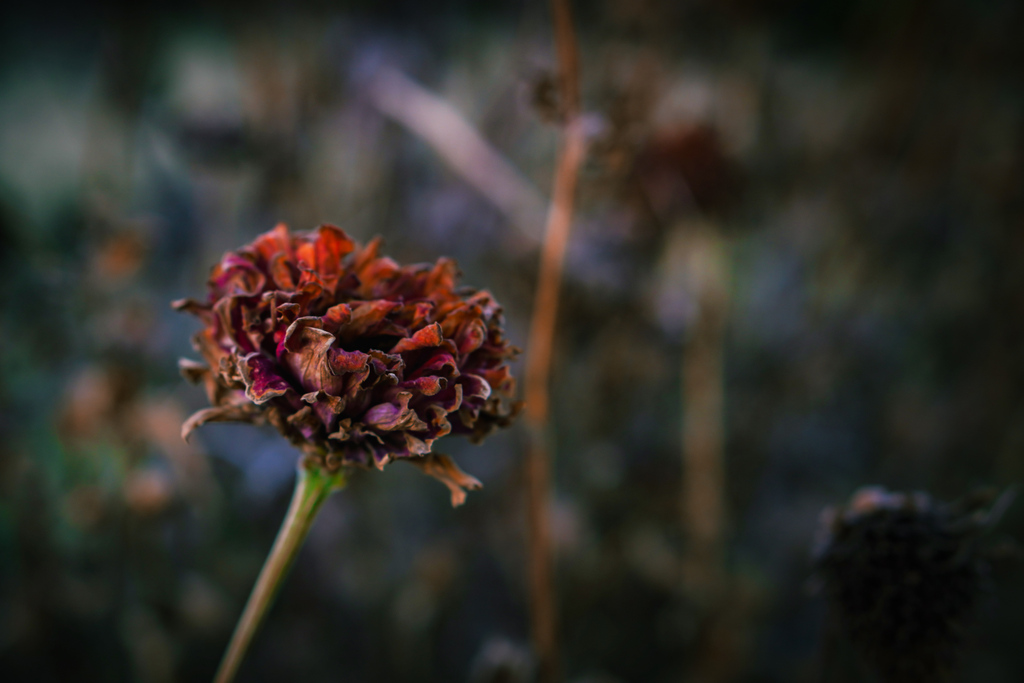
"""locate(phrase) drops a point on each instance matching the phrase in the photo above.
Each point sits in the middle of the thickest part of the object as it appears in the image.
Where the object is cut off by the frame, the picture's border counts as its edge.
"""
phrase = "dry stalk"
(704, 516)
(544, 622)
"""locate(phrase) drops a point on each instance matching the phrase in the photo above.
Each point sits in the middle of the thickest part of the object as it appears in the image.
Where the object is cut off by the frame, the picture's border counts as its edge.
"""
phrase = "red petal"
(336, 317)
(366, 316)
(282, 271)
(262, 382)
(441, 364)
(236, 275)
(367, 256)
(272, 243)
(347, 361)
(429, 336)
(424, 386)
(442, 276)
(332, 245)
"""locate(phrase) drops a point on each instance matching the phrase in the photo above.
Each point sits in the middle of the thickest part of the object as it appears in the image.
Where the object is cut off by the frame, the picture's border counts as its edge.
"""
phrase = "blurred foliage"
(861, 161)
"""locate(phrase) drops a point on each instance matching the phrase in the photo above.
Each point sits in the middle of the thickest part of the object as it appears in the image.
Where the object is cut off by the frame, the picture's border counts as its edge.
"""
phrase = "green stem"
(312, 487)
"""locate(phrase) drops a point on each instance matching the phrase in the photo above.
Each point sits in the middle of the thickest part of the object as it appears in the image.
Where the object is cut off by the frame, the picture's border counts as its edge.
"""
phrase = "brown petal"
(307, 355)
(444, 469)
(439, 423)
(327, 407)
(344, 430)
(306, 421)
(193, 371)
(416, 445)
(386, 363)
(474, 387)
(289, 309)
(231, 413)
(335, 403)
(191, 306)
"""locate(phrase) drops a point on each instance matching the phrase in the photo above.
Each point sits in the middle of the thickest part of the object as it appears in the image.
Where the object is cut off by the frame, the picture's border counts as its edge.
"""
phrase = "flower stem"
(312, 487)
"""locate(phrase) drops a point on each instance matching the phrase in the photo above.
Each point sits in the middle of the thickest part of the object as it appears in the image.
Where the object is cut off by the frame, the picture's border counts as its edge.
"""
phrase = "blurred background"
(799, 253)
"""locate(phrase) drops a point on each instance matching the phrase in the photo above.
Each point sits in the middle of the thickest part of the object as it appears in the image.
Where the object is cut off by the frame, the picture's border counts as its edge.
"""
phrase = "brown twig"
(544, 623)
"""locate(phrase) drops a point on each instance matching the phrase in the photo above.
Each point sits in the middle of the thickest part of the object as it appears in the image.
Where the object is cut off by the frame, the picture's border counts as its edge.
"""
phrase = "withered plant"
(357, 360)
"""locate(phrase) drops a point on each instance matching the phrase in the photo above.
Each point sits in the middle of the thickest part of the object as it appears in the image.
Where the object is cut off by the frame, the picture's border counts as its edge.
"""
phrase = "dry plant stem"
(312, 487)
(702, 423)
(705, 576)
(543, 616)
(702, 446)
(545, 305)
(544, 624)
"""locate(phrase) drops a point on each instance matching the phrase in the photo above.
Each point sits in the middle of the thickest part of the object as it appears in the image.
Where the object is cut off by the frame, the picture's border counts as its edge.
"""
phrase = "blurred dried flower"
(148, 492)
(119, 258)
(905, 575)
(686, 167)
(357, 360)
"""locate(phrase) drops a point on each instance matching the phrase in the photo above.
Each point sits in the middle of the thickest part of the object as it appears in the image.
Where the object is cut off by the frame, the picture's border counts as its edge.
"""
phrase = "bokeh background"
(834, 190)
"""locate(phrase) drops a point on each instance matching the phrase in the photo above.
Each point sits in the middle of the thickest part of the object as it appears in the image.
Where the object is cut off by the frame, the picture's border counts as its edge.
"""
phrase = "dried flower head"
(904, 575)
(357, 360)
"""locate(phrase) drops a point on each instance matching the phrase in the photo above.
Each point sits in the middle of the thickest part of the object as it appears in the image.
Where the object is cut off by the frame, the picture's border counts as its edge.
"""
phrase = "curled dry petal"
(443, 468)
(356, 359)
(228, 413)
(261, 382)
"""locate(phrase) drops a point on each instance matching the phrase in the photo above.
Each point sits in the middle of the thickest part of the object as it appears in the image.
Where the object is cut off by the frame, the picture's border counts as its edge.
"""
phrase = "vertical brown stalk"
(702, 425)
(544, 624)
(721, 601)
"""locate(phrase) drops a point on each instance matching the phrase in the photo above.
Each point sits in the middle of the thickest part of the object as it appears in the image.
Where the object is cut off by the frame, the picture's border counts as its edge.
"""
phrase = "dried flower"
(357, 360)
(688, 167)
(905, 575)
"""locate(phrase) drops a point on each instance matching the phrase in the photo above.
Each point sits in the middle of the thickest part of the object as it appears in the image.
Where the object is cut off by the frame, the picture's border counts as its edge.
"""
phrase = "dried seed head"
(904, 575)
